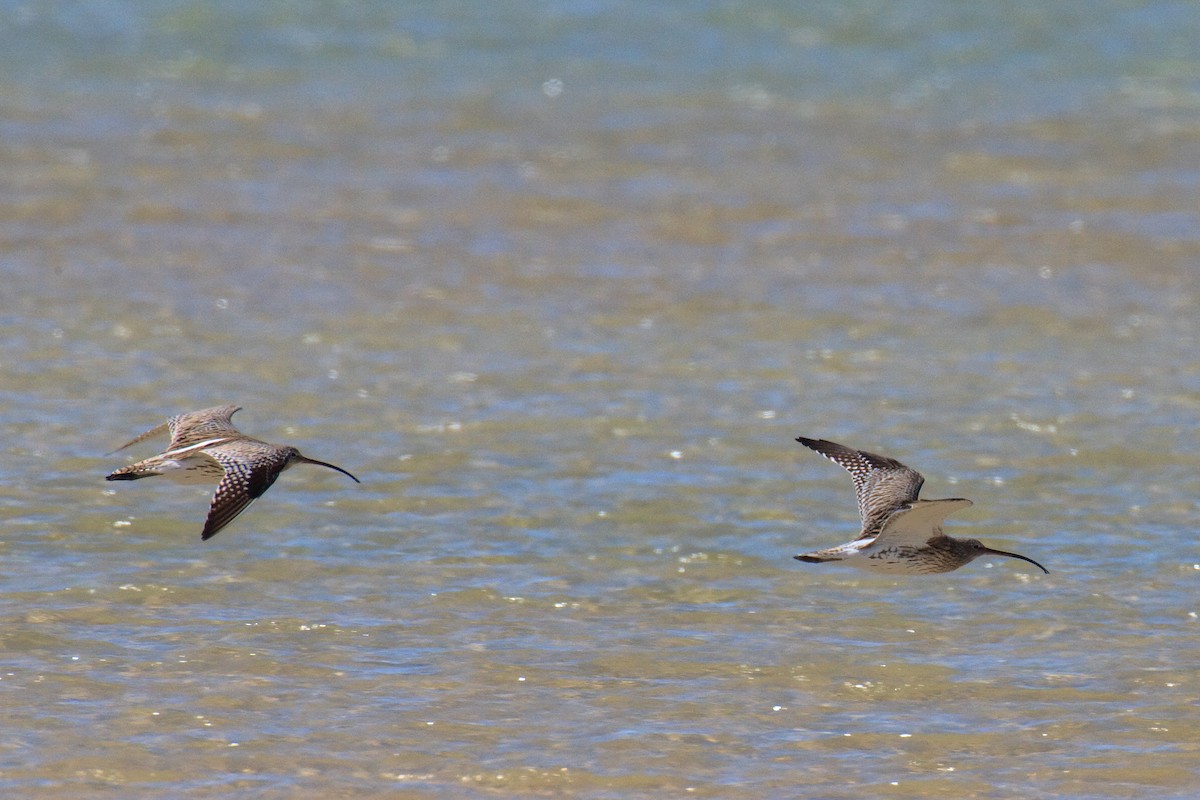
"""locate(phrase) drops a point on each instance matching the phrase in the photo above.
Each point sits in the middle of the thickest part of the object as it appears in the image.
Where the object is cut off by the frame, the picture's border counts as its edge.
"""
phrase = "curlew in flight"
(206, 448)
(900, 534)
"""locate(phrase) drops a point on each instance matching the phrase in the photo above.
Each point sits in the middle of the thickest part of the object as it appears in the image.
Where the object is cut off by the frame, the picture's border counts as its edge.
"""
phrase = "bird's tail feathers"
(131, 473)
(816, 558)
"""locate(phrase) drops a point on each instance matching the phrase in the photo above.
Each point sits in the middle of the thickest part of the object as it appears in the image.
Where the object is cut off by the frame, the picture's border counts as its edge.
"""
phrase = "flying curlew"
(206, 448)
(900, 534)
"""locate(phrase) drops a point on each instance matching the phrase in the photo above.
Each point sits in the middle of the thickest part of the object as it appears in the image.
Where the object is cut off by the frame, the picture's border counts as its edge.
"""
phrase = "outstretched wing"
(249, 471)
(195, 427)
(882, 484)
(917, 522)
(191, 428)
(150, 434)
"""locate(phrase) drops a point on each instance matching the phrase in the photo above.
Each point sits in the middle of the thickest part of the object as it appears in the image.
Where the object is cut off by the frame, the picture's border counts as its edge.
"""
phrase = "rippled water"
(561, 282)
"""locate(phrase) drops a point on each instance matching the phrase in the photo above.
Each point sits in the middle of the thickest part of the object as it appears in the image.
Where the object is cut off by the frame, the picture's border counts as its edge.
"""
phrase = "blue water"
(561, 282)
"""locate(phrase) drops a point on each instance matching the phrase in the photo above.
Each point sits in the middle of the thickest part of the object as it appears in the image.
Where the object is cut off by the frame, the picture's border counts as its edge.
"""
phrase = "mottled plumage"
(206, 448)
(900, 534)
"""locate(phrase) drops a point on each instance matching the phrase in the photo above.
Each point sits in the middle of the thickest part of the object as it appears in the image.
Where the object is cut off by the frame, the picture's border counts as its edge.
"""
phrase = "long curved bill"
(306, 460)
(1015, 555)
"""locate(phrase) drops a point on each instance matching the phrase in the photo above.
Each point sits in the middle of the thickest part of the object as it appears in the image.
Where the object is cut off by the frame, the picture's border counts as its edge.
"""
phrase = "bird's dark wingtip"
(122, 476)
(809, 559)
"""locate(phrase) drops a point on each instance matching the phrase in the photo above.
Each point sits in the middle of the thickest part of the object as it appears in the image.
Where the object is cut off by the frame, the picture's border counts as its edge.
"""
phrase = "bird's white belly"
(190, 469)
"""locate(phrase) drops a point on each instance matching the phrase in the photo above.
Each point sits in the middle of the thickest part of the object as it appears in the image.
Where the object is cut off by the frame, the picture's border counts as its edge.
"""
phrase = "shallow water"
(561, 283)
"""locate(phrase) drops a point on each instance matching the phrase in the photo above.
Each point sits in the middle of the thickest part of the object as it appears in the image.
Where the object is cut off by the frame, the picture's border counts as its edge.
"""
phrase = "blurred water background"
(561, 281)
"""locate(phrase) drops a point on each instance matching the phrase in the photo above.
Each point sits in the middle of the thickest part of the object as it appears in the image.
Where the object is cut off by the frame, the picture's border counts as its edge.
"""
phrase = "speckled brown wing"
(191, 428)
(200, 426)
(883, 484)
(249, 471)
(150, 434)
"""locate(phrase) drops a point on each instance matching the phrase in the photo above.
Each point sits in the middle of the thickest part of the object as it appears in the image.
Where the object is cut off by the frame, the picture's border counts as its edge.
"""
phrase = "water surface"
(561, 282)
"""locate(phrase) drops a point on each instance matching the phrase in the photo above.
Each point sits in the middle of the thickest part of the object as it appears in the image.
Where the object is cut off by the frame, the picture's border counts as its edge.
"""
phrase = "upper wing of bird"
(150, 434)
(249, 471)
(882, 484)
(191, 428)
(914, 524)
(195, 427)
